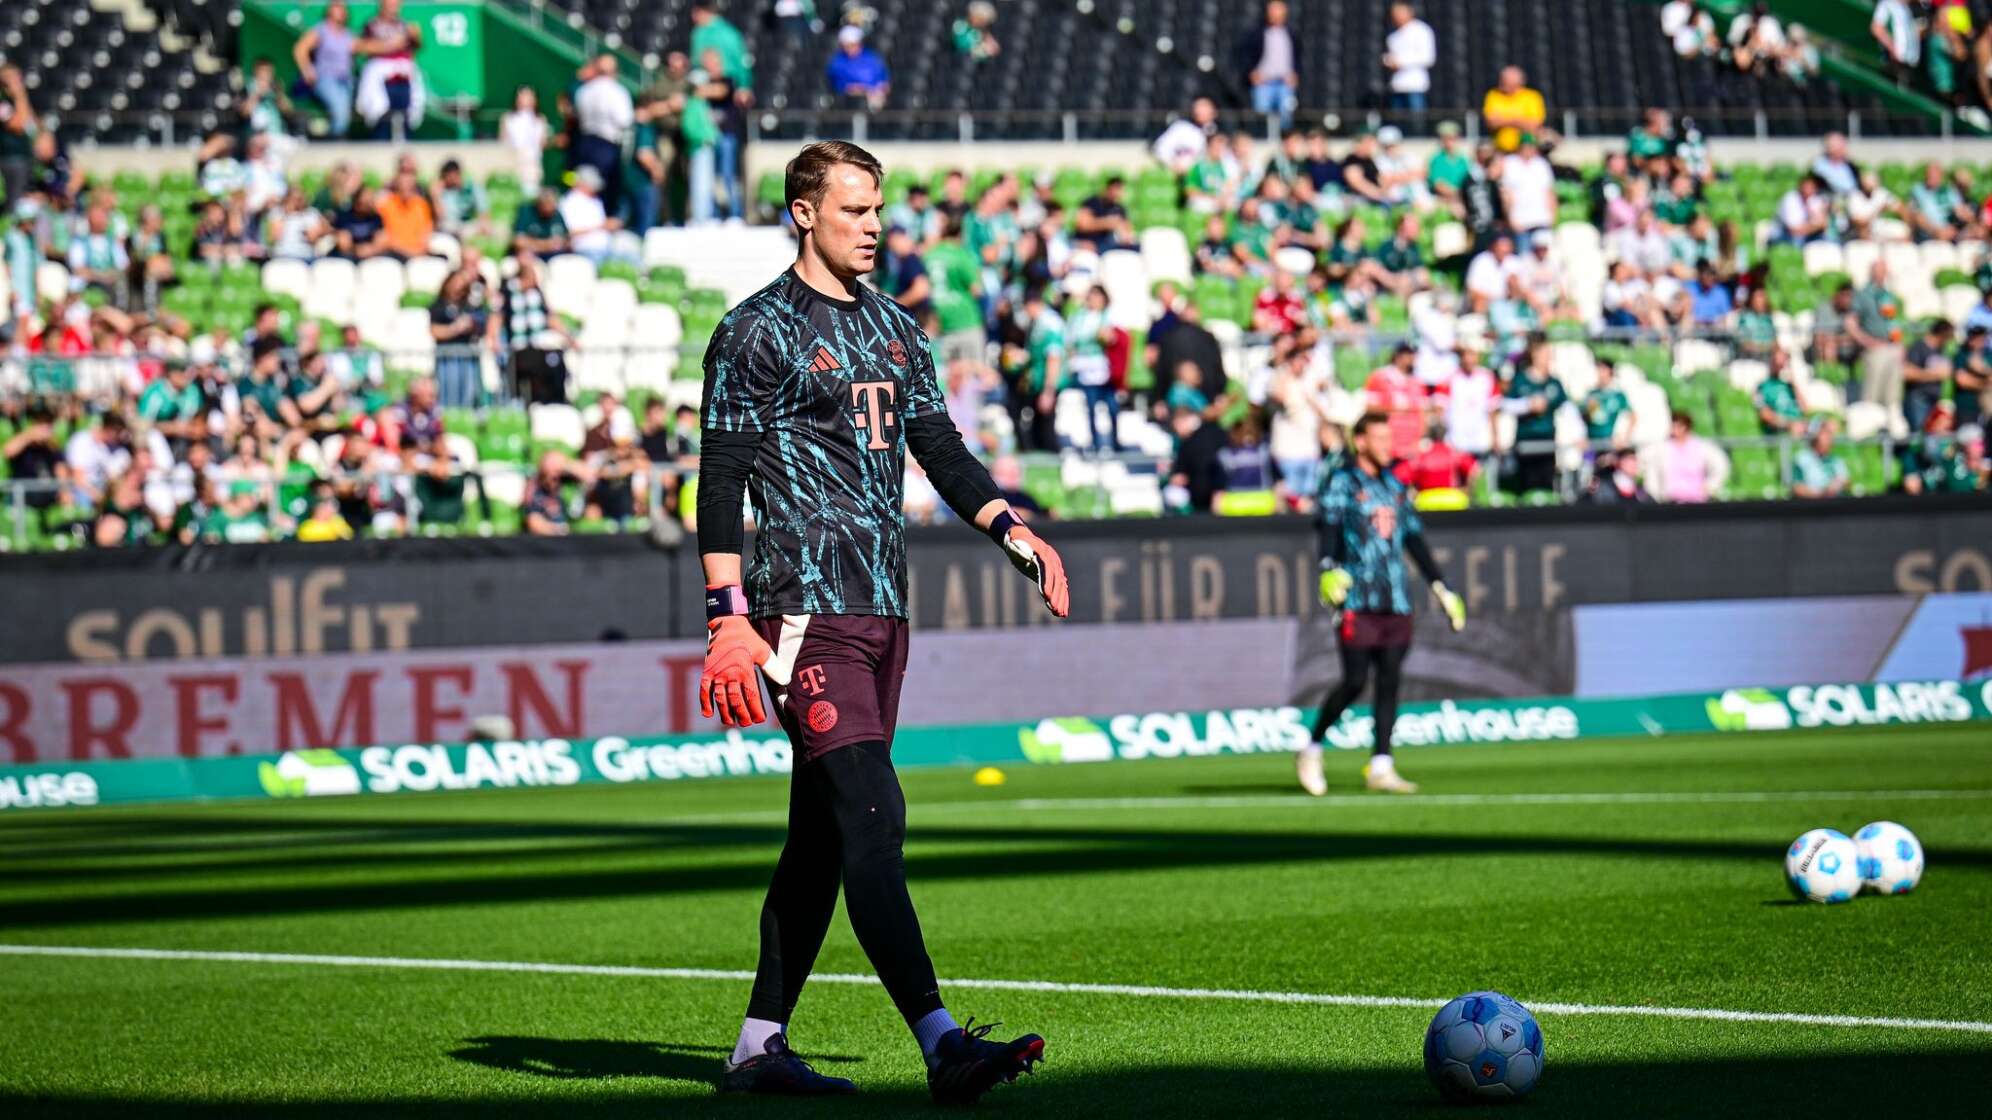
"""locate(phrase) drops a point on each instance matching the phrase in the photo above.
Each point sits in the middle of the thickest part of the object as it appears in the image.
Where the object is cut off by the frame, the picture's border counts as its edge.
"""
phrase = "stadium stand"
(438, 356)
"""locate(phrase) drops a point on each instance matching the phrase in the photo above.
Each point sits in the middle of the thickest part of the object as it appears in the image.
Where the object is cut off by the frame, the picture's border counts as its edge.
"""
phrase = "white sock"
(1382, 764)
(754, 1035)
(931, 1027)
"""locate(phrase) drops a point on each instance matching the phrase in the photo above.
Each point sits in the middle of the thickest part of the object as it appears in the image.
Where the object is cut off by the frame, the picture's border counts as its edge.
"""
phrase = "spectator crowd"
(1445, 271)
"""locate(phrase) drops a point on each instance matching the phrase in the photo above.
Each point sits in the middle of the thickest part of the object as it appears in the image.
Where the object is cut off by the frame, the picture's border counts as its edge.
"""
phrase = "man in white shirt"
(1409, 53)
(1804, 214)
(1836, 172)
(1470, 404)
(604, 113)
(1894, 27)
(1184, 141)
(587, 219)
(1528, 191)
(1488, 274)
(1644, 245)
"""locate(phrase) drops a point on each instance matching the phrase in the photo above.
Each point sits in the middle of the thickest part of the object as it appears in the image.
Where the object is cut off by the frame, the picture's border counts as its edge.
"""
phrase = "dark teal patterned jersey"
(829, 386)
(1364, 520)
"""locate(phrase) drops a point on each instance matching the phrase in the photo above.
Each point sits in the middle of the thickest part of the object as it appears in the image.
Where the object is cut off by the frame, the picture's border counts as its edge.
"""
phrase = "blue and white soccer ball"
(1891, 858)
(1483, 1046)
(1824, 866)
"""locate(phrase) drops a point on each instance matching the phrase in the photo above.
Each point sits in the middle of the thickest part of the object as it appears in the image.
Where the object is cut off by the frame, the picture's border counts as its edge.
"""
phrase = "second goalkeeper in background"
(1367, 525)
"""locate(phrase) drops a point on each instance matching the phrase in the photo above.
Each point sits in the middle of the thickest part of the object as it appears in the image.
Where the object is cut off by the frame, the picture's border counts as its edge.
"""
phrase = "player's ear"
(803, 213)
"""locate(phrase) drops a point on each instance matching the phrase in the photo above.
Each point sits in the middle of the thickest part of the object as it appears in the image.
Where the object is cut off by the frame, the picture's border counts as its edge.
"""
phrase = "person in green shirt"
(1250, 232)
(1676, 204)
(1534, 395)
(1448, 169)
(1033, 390)
(1877, 328)
(1778, 410)
(1400, 261)
(712, 32)
(1086, 336)
(974, 36)
(1756, 332)
(174, 405)
(539, 229)
(1654, 137)
(1817, 471)
(1603, 405)
(457, 201)
(261, 393)
(1207, 186)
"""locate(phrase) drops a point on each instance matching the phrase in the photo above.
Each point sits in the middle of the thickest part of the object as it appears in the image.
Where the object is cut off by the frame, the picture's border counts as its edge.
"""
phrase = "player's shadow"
(601, 1059)
(1858, 1083)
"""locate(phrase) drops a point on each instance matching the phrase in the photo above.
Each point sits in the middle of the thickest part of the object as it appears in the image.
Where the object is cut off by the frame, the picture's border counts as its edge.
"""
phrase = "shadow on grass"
(682, 858)
(604, 1059)
(1933, 1084)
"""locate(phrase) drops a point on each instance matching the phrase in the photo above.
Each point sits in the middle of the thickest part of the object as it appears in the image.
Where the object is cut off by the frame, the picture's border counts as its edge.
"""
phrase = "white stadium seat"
(331, 294)
(557, 423)
(1824, 256)
(570, 284)
(462, 447)
(1860, 257)
(1166, 252)
(613, 299)
(1959, 299)
(1818, 396)
(1746, 374)
(287, 277)
(447, 247)
(1125, 276)
(1692, 355)
(380, 278)
(426, 275)
(1450, 239)
(1866, 419)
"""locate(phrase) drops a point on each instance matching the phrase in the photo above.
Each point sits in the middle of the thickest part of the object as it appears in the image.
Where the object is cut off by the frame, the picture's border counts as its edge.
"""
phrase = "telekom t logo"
(874, 401)
(810, 677)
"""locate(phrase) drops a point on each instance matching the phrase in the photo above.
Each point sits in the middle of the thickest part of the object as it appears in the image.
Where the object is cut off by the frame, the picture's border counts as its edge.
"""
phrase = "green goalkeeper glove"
(1452, 604)
(1335, 585)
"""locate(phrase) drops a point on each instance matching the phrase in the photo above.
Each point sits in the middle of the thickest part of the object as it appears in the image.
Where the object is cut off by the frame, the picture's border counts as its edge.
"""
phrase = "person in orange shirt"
(407, 216)
(1512, 108)
(1396, 392)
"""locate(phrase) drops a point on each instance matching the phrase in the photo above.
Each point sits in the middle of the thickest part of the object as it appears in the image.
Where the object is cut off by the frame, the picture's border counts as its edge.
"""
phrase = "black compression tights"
(847, 824)
(1356, 664)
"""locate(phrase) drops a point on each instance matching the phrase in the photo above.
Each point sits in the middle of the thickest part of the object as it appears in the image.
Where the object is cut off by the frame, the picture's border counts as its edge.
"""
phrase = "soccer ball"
(1483, 1046)
(1824, 866)
(1891, 858)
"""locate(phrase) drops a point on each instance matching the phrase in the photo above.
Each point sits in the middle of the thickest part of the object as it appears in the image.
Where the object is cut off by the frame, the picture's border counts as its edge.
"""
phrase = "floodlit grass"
(1209, 873)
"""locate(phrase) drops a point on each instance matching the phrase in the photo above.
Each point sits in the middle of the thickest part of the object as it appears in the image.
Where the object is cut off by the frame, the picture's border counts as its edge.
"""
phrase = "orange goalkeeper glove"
(1037, 560)
(730, 685)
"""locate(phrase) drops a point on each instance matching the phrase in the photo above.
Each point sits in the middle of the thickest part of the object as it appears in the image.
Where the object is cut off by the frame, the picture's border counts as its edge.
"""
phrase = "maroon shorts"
(844, 673)
(1367, 630)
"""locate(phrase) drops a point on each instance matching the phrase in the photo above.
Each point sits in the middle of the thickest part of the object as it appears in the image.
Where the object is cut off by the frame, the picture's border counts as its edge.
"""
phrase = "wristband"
(725, 601)
(1000, 526)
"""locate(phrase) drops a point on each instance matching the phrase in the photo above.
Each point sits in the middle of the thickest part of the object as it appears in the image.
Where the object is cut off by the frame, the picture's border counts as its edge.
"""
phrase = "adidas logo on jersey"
(825, 361)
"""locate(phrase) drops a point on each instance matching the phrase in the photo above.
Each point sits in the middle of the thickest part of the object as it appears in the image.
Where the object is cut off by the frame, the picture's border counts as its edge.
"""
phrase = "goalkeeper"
(1367, 524)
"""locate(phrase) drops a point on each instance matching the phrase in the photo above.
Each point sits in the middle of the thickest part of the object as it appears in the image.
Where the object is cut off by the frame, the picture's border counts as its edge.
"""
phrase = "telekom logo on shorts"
(811, 679)
(874, 401)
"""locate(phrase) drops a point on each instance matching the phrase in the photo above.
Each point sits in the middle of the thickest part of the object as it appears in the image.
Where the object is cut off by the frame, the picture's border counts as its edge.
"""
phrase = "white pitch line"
(1138, 991)
(1683, 797)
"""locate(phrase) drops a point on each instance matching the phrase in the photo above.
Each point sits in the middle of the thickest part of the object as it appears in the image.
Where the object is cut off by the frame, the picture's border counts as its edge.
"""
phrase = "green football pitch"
(1193, 937)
